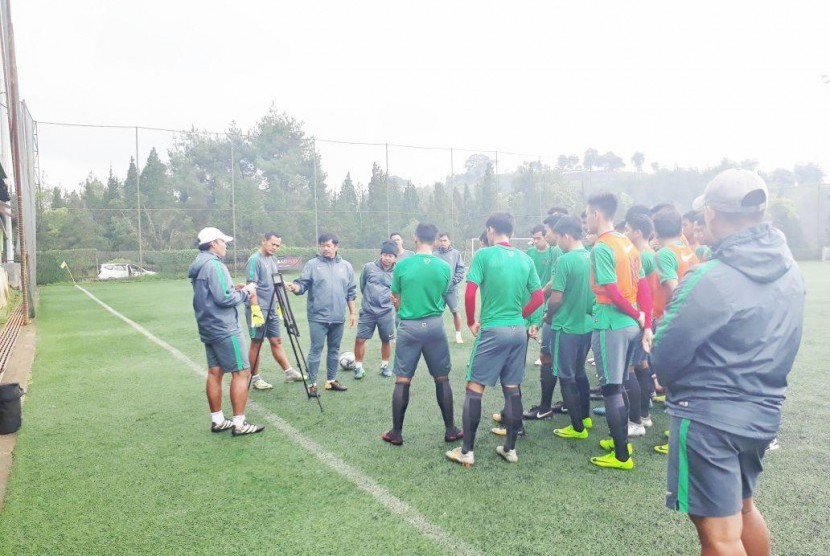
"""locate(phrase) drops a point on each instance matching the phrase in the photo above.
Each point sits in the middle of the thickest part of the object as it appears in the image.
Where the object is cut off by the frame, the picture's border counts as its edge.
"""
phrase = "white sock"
(218, 417)
(358, 365)
(384, 363)
(255, 377)
(238, 420)
(458, 334)
(288, 370)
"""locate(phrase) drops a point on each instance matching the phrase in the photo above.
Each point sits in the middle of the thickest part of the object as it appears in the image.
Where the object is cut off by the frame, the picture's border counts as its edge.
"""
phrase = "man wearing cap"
(723, 350)
(215, 298)
(376, 309)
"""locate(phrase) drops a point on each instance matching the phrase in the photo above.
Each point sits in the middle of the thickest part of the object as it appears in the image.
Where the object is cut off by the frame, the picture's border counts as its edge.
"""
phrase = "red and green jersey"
(506, 278)
(614, 260)
(573, 279)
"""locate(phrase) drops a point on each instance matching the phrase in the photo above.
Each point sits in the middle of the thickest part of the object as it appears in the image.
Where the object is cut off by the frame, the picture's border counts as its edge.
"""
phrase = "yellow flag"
(63, 264)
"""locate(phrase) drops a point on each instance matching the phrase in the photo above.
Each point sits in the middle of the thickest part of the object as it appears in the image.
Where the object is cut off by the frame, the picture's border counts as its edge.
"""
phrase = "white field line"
(355, 475)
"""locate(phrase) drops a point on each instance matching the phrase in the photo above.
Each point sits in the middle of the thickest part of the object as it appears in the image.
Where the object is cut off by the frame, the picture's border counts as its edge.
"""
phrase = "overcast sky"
(686, 84)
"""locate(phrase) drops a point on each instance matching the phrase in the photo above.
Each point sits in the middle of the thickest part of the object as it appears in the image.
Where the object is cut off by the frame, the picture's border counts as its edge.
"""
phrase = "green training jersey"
(556, 253)
(648, 262)
(573, 279)
(606, 315)
(506, 278)
(421, 280)
(542, 262)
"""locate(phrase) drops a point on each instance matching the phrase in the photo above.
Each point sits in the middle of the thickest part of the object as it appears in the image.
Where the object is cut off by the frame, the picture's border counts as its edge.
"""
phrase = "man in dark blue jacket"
(215, 298)
(723, 350)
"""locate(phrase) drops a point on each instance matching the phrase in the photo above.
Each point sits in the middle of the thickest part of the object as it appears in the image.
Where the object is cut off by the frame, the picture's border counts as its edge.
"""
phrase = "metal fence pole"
(138, 202)
(452, 194)
(316, 210)
(388, 220)
(233, 202)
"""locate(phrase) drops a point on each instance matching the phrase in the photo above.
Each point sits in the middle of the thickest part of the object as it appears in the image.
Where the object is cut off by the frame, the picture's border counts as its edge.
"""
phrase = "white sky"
(686, 84)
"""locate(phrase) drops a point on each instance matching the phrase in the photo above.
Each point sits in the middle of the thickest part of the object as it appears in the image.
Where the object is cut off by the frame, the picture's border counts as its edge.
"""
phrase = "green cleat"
(608, 444)
(610, 461)
(570, 432)
(588, 423)
(662, 449)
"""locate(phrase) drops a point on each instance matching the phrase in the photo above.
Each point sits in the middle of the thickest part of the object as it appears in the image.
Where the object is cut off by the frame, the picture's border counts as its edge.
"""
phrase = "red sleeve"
(621, 303)
(644, 301)
(470, 302)
(536, 300)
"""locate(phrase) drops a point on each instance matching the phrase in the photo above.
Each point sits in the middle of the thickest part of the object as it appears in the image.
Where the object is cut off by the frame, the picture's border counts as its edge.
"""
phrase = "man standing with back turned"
(723, 351)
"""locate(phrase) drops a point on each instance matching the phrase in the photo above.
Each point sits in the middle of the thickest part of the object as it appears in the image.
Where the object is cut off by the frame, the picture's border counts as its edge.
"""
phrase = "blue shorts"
(569, 352)
(499, 353)
(229, 354)
(710, 472)
(425, 337)
(271, 328)
(613, 350)
(385, 324)
(451, 300)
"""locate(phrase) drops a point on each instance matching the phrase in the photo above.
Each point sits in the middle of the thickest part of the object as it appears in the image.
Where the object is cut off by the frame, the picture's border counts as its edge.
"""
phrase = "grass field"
(115, 456)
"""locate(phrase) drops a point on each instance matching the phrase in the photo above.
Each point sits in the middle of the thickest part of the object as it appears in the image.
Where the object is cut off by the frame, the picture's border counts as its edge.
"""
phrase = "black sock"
(632, 391)
(584, 388)
(646, 388)
(548, 382)
(470, 418)
(400, 399)
(570, 395)
(443, 393)
(513, 412)
(617, 416)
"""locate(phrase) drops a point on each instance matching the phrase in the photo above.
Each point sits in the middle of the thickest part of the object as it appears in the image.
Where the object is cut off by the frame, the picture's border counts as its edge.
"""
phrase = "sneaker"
(507, 455)
(384, 371)
(456, 455)
(570, 432)
(773, 445)
(538, 413)
(292, 375)
(662, 449)
(392, 438)
(636, 429)
(458, 338)
(335, 386)
(592, 361)
(667, 433)
(611, 461)
(497, 417)
(260, 384)
(659, 399)
(221, 427)
(559, 407)
(599, 411)
(359, 373)
(588, 423)
(608, 444)
(502, 431)
(538, 362)
(647, 422)
(247, 428)
(312, 391)
(453, 435)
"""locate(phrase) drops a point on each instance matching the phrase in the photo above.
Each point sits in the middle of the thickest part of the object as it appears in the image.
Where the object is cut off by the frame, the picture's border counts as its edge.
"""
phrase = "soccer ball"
(347, 361)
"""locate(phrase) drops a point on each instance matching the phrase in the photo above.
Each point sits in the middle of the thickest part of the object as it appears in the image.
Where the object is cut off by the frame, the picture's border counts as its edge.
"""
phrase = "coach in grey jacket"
(452, 257)
(329, 281)
(723, 351)
(215, 298)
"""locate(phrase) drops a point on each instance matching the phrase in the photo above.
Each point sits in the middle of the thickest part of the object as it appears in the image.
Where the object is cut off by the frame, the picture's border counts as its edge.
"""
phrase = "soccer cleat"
(359, 373)
(312, 391)
(507, 455)
(773, 445)
(599, 411)
(659, 399)
(247, 428)
(335, 386)
(538, 362)
(393, 438)
(497, 417)
(610, 461)
(570, 432)
(662, 449)
(538, 412)
(592, 361)
(262, 385)
(608, 444)
(456, 455)
(453, 435)
(502, 431)
(636, 429)
(292, 375)
(667, 433)
(647, 422)
(221, 427)
(559, 407)
(384, 371)
(588, 423)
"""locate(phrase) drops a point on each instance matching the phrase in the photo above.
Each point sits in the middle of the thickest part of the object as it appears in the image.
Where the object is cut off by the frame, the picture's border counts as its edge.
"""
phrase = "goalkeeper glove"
(257, 319)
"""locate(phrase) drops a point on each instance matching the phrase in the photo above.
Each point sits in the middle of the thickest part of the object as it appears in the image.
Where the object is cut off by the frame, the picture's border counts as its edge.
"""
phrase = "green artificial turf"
(115, 456)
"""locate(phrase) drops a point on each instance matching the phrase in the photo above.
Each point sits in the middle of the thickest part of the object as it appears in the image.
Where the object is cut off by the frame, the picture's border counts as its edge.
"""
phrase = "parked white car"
(122, 270)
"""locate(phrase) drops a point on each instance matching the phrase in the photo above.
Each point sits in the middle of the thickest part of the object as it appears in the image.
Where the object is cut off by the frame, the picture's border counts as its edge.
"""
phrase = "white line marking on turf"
(360, 479)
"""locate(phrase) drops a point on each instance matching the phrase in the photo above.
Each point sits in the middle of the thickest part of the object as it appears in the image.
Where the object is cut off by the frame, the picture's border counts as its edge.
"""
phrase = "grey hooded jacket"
(452, 257)
(329, 283)
(376, 289)
(731, 333)
(214, 298)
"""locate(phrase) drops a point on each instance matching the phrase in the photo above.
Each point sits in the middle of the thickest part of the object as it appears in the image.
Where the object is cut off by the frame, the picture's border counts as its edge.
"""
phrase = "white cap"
(734, 191)
(208, 235)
